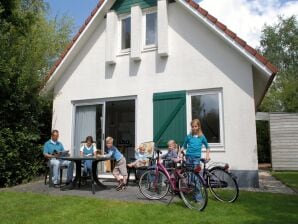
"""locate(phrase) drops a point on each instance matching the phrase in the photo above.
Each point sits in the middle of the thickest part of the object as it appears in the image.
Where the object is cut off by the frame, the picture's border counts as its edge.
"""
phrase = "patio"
(267, 184)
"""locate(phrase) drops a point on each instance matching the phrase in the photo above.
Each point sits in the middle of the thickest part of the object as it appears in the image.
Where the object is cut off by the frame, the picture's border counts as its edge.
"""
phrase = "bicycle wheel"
(154, 184)
(222, 185)
(193, 191)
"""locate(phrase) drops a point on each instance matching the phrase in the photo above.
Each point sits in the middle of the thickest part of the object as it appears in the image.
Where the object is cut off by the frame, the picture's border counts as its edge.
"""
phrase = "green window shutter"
(169, 117)
(123, 6)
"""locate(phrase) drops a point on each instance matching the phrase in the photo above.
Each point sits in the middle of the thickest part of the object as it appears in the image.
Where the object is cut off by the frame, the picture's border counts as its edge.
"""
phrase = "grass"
(251, 207)
(289, 178)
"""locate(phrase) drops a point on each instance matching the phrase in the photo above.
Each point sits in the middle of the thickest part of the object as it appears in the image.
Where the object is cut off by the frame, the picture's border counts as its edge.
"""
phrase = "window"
(151, 29)
(125, 33)
(206, 106)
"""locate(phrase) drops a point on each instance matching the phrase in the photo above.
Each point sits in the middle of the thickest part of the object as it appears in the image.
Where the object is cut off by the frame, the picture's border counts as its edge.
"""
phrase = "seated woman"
(141, 157)
(88, 149)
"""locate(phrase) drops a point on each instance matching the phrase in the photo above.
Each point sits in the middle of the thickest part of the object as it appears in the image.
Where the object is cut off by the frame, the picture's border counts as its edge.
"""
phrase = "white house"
(141, 70)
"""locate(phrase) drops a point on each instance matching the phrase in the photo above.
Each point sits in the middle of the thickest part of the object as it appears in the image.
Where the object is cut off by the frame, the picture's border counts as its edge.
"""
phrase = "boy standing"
(120, 170)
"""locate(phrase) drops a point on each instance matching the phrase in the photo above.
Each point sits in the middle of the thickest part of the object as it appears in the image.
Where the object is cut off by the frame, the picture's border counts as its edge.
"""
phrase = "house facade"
(141, 70)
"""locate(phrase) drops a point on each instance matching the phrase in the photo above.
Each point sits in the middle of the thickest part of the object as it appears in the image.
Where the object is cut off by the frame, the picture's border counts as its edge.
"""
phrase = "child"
(193, 145)
(171, 154)
(87, 150)
(119, 171)
(141, 158)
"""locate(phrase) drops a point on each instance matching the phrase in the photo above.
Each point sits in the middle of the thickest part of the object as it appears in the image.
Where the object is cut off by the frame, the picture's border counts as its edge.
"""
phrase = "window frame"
(213, 146)
(120, 18)
(150, 46)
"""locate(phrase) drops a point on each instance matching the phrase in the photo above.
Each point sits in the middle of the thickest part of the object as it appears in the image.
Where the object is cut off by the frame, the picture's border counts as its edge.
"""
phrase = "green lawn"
(250, 208)
(290, 178)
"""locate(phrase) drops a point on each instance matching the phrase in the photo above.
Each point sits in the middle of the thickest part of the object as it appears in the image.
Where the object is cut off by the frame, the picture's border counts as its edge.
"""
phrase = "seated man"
(51, 151)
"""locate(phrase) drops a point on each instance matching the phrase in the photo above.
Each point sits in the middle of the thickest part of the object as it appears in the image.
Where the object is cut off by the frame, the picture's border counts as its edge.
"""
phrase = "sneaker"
(67, 187)
(120, 186)
(123, 188)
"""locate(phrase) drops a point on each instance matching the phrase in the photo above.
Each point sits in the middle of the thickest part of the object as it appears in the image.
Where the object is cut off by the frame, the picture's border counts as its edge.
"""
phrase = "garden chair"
(48, 172)
(149, 150)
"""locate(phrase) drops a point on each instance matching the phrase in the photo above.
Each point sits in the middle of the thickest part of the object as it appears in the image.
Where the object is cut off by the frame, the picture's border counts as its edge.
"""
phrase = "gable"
(123, 6)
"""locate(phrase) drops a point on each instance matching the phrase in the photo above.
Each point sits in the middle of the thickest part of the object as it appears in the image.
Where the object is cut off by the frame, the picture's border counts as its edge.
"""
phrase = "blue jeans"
(55, 165)
(192, 162)
(87, 167)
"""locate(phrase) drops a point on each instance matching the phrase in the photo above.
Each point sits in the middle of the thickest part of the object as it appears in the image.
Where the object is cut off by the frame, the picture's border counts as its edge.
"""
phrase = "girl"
(193, 144)
(171, 156)
(87, 150)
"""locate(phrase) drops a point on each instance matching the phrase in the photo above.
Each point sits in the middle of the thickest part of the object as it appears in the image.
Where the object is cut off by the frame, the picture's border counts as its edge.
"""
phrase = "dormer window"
(151, 29)
(125, 33)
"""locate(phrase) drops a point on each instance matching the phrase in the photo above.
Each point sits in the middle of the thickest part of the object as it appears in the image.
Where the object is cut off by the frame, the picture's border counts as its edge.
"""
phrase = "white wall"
(197, 60)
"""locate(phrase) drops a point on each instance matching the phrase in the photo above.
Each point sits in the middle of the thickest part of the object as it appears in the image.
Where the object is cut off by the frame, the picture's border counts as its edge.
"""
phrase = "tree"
(28, 45)
(279, 43)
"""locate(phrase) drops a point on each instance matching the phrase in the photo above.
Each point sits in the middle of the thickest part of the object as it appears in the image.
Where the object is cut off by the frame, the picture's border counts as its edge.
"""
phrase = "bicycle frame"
(162, 168)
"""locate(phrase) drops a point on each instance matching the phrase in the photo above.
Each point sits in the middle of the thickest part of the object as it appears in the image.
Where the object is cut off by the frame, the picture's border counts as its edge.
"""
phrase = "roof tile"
(221, 25)
(272, 67)
(202, 11)
(94, 11)
(193, 4)
(230, 33)
(75, 37)
(261, 58)
(211, 18)
(250, 50)
(88, 20)
(240, 41)
(58, 62)
(82, 28)
(64, 53)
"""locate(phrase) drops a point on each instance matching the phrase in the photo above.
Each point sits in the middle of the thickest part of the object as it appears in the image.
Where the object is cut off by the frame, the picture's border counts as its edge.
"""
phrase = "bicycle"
(157, 182)
(221, 182)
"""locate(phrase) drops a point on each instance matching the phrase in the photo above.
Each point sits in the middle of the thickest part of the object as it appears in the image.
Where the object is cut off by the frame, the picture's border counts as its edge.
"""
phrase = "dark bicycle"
(221, 182)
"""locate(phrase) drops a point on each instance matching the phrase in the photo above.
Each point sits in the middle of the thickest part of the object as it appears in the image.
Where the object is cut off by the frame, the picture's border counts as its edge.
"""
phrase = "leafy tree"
(29, 43)
(279, 43)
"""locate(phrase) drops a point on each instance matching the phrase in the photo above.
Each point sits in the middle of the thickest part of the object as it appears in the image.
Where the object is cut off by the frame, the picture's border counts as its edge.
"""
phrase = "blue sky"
(78, 10)
(245, 17)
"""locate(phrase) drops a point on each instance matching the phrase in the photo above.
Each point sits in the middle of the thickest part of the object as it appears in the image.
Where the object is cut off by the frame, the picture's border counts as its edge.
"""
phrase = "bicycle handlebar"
(204, 160)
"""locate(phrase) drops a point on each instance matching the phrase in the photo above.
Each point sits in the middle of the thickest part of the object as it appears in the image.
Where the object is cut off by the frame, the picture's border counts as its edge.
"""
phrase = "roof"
(201, 12)
(233, 36)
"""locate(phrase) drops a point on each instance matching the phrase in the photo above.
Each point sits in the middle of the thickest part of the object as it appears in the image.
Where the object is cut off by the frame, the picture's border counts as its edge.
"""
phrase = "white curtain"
(85, 125)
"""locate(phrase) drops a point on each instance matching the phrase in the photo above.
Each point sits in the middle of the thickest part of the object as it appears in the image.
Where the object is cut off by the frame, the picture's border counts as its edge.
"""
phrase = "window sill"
(215, 148)
(149, 48)
(124, 52)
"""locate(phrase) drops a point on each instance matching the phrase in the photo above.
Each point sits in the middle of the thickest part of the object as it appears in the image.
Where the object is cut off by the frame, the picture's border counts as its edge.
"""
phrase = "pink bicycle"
(158, 181)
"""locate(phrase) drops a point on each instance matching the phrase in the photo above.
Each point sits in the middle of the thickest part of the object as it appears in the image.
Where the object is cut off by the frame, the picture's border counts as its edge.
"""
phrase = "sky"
(245, 17)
